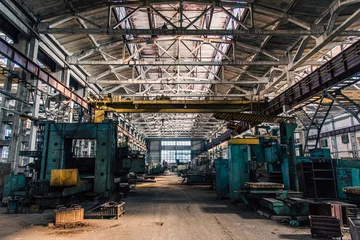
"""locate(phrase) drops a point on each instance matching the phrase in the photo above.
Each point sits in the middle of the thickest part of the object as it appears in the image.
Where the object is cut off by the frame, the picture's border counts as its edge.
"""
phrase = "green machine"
(322, 177)
(239, 157)
(57, 152)
(222, 177)
(99, 173)
(262, 171)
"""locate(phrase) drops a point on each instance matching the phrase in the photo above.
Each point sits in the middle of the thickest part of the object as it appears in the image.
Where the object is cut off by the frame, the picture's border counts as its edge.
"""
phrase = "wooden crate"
(63, 215)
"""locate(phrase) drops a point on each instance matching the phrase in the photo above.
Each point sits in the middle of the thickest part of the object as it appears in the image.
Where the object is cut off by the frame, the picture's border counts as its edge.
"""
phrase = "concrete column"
(333, 140)
(34, 47)
(290, 76)
(353, 141)
(5, 104)
(19, 125)
(66, 81)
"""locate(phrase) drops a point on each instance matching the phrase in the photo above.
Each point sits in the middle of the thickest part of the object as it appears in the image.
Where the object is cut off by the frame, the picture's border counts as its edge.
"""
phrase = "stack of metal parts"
(325, 226)
(328, 218)
(277, 201)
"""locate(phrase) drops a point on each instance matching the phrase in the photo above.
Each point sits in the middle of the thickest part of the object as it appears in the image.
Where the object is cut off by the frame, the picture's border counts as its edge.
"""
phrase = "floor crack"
(224, 229)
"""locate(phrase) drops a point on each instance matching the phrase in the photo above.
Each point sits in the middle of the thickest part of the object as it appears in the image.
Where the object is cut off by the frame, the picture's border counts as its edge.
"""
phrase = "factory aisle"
(160, 211)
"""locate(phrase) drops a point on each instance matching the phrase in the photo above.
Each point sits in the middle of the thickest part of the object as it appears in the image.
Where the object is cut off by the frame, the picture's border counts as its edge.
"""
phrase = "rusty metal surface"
(352, 190)
(112, 209)
(326, 226)
(63, 215)
(264, 185)
(64, 177)
(26, 64)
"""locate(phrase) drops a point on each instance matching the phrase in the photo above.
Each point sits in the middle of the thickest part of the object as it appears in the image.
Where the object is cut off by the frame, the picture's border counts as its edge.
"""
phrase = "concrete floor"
(158, 211)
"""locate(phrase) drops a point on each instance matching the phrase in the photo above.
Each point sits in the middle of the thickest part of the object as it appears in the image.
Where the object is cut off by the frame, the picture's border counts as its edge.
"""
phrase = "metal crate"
(112, 210)
(63, 215)
(325, 226)
(355, 228)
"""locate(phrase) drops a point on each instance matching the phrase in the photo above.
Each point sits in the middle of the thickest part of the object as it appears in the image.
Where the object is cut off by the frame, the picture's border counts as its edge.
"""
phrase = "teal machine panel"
(239, 157)
(57, 150)
(347, 175)
(222, 177)
(13, 183)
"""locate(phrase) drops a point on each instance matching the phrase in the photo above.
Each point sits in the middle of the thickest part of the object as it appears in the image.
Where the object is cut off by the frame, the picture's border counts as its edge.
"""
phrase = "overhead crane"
(115, 104)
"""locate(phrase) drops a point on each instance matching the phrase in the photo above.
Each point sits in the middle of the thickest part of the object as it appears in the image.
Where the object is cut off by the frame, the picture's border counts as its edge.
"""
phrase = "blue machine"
(321, 176)
(100, 173)
(347, 175)
(263, 159)
(57, 151)
(239, 174)
(222, 177)
(12, 185)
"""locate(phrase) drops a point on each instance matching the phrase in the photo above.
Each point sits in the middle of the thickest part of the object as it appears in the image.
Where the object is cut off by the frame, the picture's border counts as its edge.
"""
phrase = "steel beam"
(321, 42)
(173, 106)
(74, 61)
(29, 66)
(175, 82)
(44, 28)
(189, 95)
(176, 110)
(341, 67)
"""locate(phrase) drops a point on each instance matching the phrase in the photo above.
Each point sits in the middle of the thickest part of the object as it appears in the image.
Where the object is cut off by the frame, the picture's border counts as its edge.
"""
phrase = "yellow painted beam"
(162, 102)
(173, 110)
(99, 116)
(244, 141)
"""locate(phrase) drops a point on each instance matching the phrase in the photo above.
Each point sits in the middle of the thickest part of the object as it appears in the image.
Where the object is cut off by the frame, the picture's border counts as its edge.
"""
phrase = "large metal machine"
(59, 173)
(199, 170)
(263, 159)
(264, 170)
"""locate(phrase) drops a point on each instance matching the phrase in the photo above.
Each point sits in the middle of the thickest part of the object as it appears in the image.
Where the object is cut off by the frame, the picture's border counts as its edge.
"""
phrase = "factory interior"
(189, 119)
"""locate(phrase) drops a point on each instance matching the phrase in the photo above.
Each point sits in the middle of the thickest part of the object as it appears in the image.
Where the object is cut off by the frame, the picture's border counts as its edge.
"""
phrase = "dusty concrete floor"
(158, 211)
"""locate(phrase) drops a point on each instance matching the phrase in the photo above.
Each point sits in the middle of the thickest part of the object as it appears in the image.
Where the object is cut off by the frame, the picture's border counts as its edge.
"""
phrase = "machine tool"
(59, 175)
(322, 177)
(222, 177)
(199, 171)
(262, 171)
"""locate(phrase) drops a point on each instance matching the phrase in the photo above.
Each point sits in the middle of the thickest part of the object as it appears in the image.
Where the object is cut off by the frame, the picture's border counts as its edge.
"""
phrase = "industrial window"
(168, 143)
(324, 143)
(183, 143)
(5, 152)
(170, 156)
(175, 143)
(345, 138)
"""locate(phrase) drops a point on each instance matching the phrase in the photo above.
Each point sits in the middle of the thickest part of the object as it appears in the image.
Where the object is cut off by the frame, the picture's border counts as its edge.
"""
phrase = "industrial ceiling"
(195, 50)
